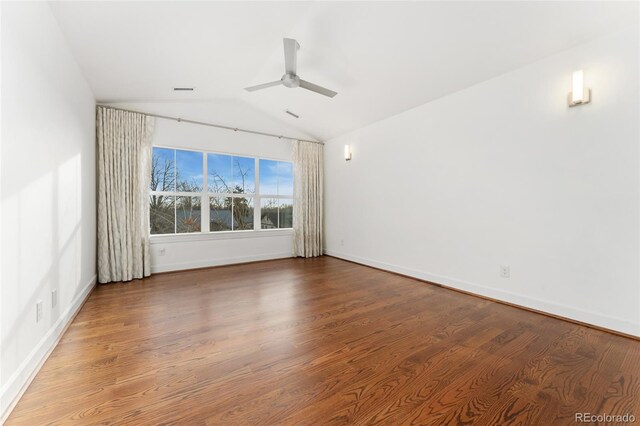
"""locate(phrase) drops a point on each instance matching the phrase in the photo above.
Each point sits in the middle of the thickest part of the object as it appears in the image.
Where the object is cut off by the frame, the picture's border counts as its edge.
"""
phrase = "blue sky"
(189, 166)
(229, 169)
(276, 177)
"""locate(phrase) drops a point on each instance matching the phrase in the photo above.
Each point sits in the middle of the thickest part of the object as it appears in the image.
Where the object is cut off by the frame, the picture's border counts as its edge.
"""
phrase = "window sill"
(223, 235)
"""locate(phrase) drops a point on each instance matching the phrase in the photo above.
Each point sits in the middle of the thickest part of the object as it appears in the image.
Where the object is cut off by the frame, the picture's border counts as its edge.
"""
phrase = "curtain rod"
(202, 123)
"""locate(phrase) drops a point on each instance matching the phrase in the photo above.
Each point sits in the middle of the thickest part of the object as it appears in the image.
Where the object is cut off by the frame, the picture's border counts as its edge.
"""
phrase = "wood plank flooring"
(322, 341)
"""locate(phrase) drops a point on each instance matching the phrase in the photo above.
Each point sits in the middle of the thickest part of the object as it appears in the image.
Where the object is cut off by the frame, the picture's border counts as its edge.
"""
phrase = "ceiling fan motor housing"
(290, 80)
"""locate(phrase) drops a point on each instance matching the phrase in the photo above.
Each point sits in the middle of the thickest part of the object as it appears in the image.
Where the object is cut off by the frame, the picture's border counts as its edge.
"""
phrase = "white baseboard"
(570, 312)
(20, 380)
(170, 267)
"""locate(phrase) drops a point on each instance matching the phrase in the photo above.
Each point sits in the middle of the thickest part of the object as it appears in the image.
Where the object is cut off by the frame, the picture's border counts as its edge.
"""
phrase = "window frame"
(205, 233)
(277, 196)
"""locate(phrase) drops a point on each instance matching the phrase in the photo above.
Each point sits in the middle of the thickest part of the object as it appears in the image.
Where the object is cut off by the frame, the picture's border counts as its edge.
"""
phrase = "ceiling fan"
(290, 78)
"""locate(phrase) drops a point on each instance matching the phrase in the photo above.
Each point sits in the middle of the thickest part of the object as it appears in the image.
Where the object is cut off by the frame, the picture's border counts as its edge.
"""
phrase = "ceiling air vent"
(183, 89)
(292, 114)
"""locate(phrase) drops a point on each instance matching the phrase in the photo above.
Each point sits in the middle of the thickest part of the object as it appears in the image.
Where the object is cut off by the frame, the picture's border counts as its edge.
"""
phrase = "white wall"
(196, 251)
(1, 377)
(504, 173)
(47, 191)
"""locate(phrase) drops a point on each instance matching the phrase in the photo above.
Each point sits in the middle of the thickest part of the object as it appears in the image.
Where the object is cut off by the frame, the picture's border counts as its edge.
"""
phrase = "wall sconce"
(580, 94)
(347, 153)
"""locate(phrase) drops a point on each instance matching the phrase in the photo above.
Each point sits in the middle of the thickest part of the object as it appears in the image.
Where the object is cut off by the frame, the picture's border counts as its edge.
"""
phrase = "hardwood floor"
(322, 341)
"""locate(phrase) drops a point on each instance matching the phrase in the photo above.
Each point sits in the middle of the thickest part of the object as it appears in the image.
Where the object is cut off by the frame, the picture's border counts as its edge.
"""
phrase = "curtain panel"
(124, 158)
(308, 166)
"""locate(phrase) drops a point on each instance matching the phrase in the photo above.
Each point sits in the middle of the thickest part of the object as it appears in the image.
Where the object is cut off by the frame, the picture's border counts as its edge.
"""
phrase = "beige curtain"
(124, 157)
(308, 166)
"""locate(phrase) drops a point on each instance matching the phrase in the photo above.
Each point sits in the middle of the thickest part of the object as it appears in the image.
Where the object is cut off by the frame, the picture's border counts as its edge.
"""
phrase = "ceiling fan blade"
(263, 86)
(317, 89)
(290, 55)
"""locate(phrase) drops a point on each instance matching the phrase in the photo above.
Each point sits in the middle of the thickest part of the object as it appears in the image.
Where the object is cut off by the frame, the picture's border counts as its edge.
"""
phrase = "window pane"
(162, 169)
(219, 173)
(285, 178)
(285, 213)
(162, 214)
(268, 211)
(187, 214)
(189, 171)
(268, 177)
(242, 213)
(243, 175)
(219, 214)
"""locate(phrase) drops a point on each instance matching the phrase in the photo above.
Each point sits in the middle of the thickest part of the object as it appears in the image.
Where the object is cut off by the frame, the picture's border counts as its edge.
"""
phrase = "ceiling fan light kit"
(290, 79)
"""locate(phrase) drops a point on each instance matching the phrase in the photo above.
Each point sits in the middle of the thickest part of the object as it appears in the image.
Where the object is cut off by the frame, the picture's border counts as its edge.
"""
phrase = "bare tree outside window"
(276, 188)
(178, 187)
(171, 173)
(239, 181)
(162, 207)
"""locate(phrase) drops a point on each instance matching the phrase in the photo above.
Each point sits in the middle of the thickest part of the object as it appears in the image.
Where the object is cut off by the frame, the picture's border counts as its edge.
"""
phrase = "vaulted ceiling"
(381, 57)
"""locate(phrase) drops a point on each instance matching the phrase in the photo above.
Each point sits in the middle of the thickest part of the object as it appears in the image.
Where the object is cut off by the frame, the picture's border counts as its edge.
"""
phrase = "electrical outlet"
(38, 311)
(162, 251)
(342, 242)
(54, 298)
(505, 271)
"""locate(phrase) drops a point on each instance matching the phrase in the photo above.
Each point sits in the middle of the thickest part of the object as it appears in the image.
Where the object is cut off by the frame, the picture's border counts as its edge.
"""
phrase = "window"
(276, 188)
(185, 199)
(176, 191)
(231, 190)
